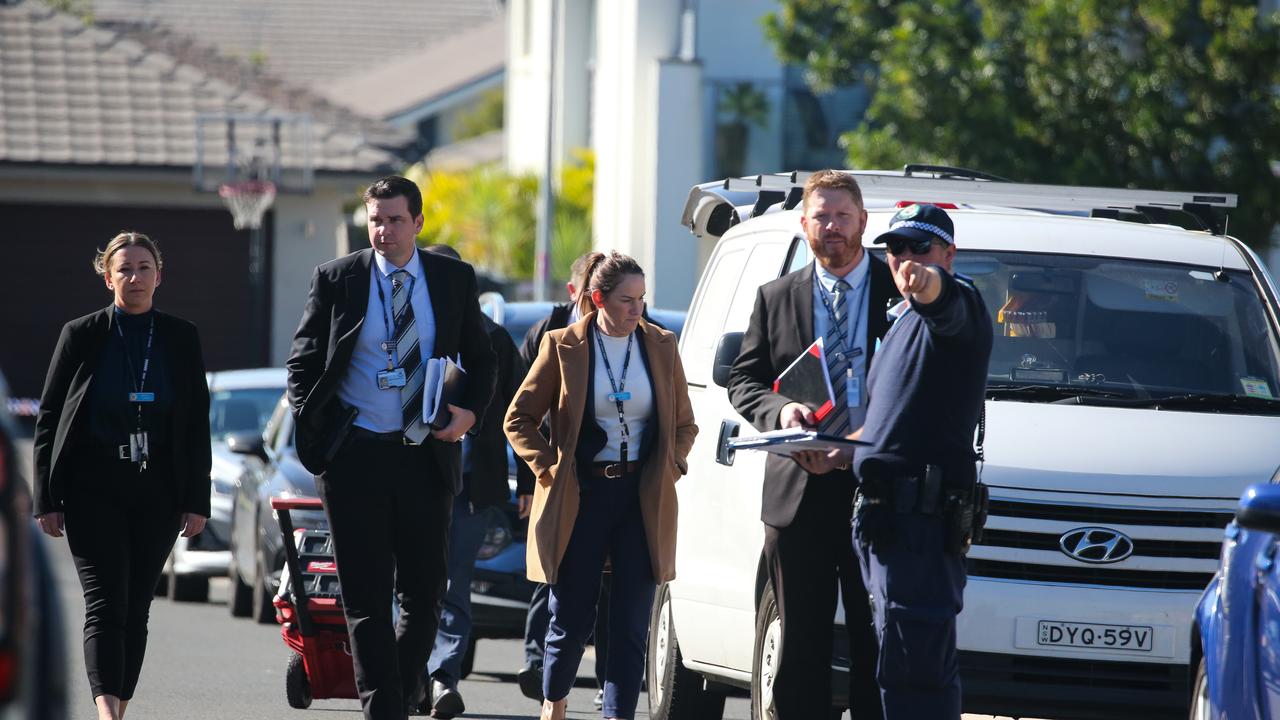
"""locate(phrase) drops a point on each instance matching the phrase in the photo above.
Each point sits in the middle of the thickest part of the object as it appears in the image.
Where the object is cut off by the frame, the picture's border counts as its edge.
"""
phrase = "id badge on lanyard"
(393, 378)
(853, 382)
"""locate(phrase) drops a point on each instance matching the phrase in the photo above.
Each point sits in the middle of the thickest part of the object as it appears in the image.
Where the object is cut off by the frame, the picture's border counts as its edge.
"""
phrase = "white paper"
(433, 385)
(789, 440)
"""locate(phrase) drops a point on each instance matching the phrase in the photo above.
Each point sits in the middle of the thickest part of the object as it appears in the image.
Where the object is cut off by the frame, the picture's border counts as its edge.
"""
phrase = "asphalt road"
(203, 664)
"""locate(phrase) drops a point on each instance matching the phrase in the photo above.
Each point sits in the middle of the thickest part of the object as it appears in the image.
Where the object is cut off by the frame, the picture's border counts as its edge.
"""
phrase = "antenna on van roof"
(1221, 275)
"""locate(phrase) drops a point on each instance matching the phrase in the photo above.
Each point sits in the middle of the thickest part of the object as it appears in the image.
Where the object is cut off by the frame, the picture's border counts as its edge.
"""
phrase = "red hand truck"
(309, 610)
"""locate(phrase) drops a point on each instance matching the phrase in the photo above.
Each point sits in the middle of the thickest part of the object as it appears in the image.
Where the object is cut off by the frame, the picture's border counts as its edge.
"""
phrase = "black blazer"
(75, 359)
(781, 328)
(487, 483)
(327, 334)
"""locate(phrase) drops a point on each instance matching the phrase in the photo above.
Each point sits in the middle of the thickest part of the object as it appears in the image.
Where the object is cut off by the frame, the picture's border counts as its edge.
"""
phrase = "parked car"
(33, 663)
(1235, 642)
(239, 401)
(271, 469)
(1131, 399)
(518, 317)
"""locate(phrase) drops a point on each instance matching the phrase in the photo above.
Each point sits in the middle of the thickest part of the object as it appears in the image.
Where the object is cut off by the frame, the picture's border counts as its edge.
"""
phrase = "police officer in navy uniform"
(918, 494)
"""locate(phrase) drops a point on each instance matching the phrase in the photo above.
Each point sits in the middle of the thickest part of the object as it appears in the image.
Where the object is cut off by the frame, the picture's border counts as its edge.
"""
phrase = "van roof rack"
(712, 208)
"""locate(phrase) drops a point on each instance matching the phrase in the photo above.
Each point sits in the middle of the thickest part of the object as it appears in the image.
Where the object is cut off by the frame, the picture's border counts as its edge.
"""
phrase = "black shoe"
(447, 701)
(529, 678)
(419, 703)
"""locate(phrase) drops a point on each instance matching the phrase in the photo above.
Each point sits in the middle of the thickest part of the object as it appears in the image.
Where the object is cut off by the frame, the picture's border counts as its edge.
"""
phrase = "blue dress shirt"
(380, 409)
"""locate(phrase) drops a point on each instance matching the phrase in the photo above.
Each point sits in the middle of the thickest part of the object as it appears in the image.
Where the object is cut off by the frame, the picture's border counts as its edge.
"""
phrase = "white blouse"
(636, 410)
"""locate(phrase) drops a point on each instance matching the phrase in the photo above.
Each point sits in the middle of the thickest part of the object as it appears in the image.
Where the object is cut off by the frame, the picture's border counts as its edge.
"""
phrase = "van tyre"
(768, 650)
(297, 688)
(675, 692)
(1200, 707)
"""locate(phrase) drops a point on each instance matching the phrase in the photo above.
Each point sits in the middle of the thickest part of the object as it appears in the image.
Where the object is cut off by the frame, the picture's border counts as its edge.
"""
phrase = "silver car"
(239, 401)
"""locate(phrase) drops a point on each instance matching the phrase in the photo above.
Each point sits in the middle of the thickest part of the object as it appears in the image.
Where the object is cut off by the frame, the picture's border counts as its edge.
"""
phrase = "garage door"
(49, 280)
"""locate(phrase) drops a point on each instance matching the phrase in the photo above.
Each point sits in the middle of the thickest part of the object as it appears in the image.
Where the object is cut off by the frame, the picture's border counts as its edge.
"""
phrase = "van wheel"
(1201, 708)
(764, 664)
(675, 692)
(297, 688)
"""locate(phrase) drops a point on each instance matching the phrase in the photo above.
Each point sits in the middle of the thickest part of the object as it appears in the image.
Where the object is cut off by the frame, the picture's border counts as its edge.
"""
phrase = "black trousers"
(806, 560)
(120, 525)
(389, 512)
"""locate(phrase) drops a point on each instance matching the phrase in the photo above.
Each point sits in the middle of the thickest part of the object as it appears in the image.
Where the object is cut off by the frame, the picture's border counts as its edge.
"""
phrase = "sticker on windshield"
(1256, 387)
(1161, 290)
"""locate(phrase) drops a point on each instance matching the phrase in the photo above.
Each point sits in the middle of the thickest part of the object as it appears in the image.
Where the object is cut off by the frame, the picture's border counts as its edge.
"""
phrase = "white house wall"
(652, 115)
(309, 230)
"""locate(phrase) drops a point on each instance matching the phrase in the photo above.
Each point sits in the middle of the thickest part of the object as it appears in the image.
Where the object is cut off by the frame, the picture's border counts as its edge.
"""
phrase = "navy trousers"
(609, 525)
(535, 628)
(466, 535)
(917, 590)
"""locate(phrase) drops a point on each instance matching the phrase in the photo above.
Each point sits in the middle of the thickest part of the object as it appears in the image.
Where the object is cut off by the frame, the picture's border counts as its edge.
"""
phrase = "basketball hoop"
(248, 201)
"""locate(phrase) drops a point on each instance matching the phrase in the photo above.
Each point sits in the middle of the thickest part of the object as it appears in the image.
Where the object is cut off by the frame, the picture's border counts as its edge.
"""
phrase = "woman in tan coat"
(614, 394)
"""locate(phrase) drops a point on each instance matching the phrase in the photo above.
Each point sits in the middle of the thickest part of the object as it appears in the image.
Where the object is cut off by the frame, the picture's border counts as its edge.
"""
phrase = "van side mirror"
(726, 352)
(1260, 508)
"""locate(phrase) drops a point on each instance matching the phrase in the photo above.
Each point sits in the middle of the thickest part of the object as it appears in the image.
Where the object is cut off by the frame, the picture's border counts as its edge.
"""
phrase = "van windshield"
(1125, 329)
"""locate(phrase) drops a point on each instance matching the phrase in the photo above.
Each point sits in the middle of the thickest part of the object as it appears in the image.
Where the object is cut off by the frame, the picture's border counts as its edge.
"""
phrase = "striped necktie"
(835, 344)
(410, 355)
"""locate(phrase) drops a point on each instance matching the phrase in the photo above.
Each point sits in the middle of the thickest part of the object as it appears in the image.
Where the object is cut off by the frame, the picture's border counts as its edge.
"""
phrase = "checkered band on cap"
(927, 227)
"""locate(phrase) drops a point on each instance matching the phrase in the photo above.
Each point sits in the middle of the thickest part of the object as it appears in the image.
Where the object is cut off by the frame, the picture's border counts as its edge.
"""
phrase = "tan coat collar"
(577, 333)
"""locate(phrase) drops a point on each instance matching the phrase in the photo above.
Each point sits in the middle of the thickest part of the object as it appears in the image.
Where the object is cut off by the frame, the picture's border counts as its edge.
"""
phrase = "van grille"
(1080, 573)
(1110, 516)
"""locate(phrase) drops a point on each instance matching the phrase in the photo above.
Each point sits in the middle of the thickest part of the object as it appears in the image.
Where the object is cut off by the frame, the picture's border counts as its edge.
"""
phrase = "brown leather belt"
(613, 470)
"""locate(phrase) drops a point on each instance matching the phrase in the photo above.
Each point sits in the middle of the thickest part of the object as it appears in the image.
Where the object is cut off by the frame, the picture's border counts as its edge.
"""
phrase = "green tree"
(741, 105)
(483, 117)
(490, 216)
(1163, 94)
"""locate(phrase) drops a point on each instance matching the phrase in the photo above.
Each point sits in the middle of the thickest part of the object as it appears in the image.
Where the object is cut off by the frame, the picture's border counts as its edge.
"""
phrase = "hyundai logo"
(1096, 545)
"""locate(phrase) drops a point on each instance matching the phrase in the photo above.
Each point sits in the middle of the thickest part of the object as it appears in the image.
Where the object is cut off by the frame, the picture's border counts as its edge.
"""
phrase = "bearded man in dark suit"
(840, 298)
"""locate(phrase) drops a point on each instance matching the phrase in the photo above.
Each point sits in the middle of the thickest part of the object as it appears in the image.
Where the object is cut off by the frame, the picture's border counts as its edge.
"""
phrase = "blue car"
(1237, 632)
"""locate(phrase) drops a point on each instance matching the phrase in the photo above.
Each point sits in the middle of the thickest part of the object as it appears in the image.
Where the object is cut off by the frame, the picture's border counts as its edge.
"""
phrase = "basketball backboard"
(273, 147)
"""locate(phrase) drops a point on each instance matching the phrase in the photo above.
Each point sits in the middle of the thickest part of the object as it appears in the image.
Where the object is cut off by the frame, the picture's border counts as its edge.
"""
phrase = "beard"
(835, 249)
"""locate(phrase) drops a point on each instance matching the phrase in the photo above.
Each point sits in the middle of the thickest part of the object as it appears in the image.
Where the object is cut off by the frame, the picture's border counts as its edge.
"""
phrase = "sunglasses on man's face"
(900, 246)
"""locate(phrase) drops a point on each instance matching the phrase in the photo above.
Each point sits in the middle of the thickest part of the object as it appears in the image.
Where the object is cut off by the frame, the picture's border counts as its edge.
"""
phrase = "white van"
(1131, 398)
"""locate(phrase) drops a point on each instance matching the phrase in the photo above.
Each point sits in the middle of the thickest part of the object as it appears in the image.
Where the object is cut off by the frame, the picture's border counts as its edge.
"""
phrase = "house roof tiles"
(77, 94)
(307, 42)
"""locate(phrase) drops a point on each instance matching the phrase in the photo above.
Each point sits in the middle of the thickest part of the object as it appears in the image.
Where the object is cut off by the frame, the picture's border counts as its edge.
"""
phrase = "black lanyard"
(389, 345)
(850, 343)
(617, 394)
(138, 385)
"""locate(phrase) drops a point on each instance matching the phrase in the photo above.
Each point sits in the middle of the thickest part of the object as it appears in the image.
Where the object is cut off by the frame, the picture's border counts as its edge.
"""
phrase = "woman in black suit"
(122, 458)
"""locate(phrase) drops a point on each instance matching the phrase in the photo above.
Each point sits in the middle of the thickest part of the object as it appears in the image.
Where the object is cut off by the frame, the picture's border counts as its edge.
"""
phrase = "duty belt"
(905, 490)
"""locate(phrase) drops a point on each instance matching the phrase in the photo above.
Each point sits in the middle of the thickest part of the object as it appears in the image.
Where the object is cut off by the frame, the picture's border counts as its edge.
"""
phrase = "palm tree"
(741, 105)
